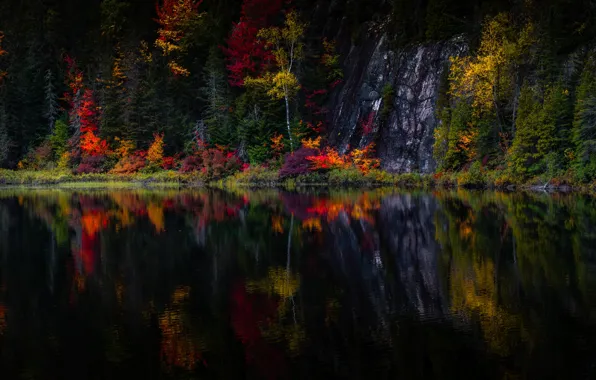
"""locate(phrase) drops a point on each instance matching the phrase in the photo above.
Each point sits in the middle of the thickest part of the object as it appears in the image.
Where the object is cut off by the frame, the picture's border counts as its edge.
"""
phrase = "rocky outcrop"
(389, 97)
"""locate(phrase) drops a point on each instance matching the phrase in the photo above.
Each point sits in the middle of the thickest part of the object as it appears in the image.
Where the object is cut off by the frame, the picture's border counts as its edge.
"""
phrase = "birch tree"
(287, 48)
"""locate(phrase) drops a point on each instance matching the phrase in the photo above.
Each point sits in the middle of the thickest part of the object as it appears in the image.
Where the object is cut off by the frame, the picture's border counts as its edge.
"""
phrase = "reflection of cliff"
(356, 282)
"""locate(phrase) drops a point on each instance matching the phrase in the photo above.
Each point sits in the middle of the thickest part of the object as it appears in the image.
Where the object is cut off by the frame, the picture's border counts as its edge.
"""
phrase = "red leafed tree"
(91, 144)
(246, 55)
(83, 113)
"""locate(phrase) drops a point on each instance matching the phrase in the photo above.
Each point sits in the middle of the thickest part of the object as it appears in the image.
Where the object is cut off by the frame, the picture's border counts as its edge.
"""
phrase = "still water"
(288, 285)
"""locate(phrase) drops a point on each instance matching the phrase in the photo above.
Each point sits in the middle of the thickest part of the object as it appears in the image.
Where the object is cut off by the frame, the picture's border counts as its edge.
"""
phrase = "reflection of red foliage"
(87, 252)
(249, 312)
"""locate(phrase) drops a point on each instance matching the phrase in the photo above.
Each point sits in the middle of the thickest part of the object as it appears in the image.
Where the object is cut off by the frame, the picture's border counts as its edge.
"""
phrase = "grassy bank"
(68, 179)
(263, 177)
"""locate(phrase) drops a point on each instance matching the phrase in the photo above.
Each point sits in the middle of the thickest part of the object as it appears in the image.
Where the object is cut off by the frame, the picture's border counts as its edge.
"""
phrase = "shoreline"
(172, 180)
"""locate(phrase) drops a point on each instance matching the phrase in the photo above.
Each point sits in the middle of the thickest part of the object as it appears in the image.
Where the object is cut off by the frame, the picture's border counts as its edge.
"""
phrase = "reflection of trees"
(354, 284)
(517, 266)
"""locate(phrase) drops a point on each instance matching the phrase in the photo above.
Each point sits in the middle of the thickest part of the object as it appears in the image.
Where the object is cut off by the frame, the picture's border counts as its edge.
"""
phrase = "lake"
(270, 284)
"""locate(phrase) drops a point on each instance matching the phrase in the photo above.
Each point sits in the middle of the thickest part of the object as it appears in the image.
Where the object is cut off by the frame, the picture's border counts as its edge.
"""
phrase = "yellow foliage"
(277, 144)
(312, 143)
(125, 147)
(64, 161)
(277, 224)
(313, 224)
(155, 152)
(363, 160)
(278, 281)
(156, 216)
(481, 77)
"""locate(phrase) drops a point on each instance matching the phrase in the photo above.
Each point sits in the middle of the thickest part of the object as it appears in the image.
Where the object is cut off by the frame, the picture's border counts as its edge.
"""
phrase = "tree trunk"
(288, 123)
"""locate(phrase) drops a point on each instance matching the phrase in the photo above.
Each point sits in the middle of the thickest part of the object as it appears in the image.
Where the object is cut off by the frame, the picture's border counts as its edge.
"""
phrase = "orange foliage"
(173, 17)
(329, 158)
(312, 224)
(312, 143)
(156, 216)
(155, 152)
(362, 158)
(277, 145)
(177, 347)
(277, 224)
(94, 221)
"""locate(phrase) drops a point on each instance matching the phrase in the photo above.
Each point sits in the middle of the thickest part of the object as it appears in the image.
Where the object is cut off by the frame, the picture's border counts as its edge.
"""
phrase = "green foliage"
(542, 131)
(387, 96)
(59, 138)
(473, 177)
(461, 137)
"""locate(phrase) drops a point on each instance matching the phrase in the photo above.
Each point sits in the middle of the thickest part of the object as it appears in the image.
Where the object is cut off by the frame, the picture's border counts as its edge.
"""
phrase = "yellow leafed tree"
(287, 47)
(491, 74)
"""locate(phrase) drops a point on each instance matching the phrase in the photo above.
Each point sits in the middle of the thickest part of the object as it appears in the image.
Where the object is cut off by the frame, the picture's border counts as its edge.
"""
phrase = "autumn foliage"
(246, 54)
(174, 16)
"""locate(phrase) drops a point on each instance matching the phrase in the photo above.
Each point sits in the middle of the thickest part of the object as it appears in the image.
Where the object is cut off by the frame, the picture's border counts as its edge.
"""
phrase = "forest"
(210, 89)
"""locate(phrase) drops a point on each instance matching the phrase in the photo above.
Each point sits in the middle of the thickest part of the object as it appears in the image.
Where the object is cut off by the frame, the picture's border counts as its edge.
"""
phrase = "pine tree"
(524, 149)
(51, 97)
(215, 94)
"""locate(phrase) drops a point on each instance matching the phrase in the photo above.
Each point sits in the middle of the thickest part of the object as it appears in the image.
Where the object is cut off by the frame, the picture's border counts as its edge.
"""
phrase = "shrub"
(348, 176)
(192, 164)
(297, 163)
(129, 165)
(218, 164)
(155, 151)
(169, 163)
(91, 164)
(257, 175)
(473, 177)
(213, 163)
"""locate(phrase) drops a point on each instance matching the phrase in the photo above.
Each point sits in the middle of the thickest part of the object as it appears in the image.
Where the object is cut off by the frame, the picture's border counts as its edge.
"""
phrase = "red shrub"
(169, 163)
(192, 164)
(91, 164)
(214, 163)
(297, 163)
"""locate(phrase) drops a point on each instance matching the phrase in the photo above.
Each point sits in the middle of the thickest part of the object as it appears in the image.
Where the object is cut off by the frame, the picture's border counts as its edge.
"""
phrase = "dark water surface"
(284, 285)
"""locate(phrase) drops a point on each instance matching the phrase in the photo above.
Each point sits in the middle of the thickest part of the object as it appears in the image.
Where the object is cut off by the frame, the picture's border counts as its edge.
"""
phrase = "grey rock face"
(404, 132)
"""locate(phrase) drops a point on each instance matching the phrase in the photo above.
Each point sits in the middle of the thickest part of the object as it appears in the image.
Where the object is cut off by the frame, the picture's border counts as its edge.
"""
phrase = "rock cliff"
(389, 96)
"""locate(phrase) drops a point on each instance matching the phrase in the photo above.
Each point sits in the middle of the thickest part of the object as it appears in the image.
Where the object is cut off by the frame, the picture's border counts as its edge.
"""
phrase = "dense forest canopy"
(100, 85)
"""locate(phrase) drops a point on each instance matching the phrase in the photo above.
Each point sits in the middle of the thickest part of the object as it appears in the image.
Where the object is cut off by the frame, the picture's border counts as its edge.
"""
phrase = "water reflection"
(269, 284)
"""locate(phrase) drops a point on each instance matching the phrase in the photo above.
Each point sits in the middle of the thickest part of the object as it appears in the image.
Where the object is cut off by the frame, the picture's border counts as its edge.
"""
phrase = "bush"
(38, 158)
(192, 164)
(312, 178)
(256, 175)
(297, 163)
(349, 176)
(213, 163)
(129, 165)
(473, 177)
(91, 164)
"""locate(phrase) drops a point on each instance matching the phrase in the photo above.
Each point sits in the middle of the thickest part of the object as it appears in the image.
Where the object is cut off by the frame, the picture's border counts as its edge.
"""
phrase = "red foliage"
(368, 124)
(91, 164)
(297, 163)
(248, 313)
(329, 158)
(91, 144)
(214, 163)
(191, 164)
(83, 107)
(246, 55)
(169, 163)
